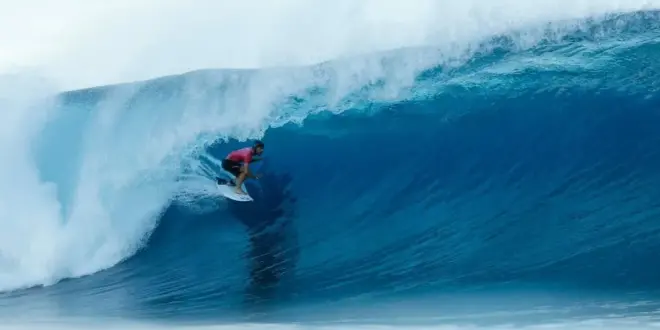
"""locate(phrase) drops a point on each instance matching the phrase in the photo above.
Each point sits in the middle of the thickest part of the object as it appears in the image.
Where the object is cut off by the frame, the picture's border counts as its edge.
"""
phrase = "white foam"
(85, 43)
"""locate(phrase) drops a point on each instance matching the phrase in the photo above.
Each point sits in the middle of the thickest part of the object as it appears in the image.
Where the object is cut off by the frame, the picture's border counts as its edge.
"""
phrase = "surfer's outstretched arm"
(250, 174)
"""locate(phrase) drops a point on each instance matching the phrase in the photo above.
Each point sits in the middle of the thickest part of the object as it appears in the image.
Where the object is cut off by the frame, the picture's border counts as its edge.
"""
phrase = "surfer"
(237, 163)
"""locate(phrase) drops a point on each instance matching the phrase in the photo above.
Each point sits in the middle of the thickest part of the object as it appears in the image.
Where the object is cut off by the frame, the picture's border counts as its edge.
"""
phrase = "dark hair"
(257, 144)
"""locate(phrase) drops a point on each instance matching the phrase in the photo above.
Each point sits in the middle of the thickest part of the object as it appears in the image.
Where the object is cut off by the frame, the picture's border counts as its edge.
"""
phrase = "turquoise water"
(518, 186)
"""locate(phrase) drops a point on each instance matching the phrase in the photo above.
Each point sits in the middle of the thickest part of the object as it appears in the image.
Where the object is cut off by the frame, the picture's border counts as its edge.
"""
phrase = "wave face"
(516, 169)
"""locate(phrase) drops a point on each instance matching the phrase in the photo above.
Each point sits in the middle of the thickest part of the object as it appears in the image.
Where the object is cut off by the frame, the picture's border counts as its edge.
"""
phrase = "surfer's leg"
(232, 167)
(239, 181)
(236, 171)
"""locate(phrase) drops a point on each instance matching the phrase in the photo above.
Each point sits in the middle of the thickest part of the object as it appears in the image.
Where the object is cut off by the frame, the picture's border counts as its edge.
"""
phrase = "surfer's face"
(258, 150)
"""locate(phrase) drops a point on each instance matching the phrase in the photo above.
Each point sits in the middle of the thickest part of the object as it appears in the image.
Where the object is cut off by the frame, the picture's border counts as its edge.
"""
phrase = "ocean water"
(502, 182)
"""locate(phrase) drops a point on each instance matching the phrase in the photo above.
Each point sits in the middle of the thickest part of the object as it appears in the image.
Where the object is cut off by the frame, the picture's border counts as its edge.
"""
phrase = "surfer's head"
(258, 147)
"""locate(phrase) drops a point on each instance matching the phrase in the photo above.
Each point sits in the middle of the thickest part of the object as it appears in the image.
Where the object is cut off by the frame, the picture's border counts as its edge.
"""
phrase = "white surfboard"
(229, 191)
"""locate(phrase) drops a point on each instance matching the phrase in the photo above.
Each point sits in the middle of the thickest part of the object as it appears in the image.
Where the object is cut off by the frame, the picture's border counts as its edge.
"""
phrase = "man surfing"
(237, 163)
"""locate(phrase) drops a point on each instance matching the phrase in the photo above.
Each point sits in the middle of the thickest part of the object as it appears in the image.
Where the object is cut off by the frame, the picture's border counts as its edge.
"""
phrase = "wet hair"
(256, 145)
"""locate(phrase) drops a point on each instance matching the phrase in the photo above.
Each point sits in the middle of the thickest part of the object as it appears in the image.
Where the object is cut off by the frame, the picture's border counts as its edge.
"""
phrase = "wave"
(387, 176)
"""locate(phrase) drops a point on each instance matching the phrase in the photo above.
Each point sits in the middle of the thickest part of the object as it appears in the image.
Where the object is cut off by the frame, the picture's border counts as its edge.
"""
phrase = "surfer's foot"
(225, 182)
(239, 191)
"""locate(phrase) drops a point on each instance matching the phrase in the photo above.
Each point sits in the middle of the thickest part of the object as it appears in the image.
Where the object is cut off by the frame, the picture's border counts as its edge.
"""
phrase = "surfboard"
(228, 191)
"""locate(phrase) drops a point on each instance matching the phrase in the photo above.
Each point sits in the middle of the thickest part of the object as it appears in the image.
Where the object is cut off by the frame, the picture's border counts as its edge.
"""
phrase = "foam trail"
(29, 211)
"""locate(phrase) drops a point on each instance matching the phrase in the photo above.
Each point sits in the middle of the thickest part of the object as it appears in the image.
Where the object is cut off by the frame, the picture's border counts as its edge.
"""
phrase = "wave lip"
(77, 52)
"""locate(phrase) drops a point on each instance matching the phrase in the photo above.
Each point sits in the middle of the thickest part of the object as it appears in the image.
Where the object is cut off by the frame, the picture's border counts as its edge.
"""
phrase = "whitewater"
(428, 164)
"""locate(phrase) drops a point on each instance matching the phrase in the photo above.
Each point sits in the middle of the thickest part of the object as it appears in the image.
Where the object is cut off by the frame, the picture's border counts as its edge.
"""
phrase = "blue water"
(518, 186)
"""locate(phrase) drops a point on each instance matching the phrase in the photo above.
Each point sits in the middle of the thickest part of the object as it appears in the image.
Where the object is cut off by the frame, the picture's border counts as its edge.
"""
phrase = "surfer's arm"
(248, 173)
(256, 159)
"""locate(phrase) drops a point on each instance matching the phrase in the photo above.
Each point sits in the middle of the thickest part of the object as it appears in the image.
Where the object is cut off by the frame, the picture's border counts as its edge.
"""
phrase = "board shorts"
(232, 167)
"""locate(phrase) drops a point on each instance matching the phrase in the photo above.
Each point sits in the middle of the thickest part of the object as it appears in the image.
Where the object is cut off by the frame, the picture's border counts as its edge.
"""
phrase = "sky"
(82, 43)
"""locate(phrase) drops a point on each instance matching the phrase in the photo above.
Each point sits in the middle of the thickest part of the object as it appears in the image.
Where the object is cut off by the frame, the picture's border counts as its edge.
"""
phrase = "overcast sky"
(80, 43)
